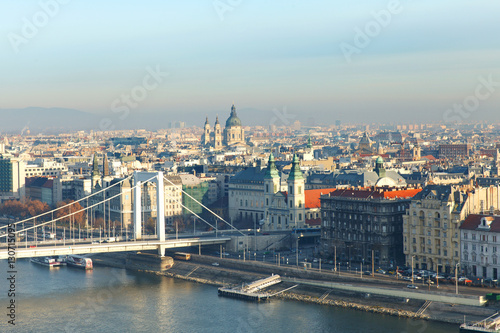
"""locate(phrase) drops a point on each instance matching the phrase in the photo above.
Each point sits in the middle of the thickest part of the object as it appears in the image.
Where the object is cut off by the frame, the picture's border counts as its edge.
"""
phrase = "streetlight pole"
(412, 269)
(456, 278)
(335, 257)
(437, 276)
(297, 251)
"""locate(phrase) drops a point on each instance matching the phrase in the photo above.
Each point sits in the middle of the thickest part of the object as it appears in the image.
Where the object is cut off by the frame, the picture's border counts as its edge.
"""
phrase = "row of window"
(483, 248)
(484, 238)
(484, 260)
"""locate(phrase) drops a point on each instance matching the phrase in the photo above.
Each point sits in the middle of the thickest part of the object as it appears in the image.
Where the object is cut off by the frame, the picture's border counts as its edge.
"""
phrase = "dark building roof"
(233, 119)
(249, 175)
(438, 192)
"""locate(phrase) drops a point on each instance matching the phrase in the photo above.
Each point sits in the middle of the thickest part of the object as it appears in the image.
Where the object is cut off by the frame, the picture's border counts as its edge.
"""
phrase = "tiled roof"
(474, 220)
(312, 197)
(410, 193)
(375, 193)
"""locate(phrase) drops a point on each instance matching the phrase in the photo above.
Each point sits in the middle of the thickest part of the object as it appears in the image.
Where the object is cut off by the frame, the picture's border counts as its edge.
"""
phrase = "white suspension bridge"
(74, 244)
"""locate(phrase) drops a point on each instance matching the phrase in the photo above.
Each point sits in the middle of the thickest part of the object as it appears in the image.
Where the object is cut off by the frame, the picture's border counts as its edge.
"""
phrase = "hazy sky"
(413, 65)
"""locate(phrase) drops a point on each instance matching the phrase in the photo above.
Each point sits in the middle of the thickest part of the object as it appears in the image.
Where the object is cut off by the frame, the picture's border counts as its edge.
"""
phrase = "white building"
(480, 237)
(44, 167)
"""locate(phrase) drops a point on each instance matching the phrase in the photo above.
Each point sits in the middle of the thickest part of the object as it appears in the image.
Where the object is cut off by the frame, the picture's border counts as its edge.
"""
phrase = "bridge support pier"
(161, 250)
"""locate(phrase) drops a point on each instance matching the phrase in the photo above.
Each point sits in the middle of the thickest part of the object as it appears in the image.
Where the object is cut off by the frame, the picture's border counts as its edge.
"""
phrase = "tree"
(150, 226)
(14, 208)
(36, 207)
(77, 219)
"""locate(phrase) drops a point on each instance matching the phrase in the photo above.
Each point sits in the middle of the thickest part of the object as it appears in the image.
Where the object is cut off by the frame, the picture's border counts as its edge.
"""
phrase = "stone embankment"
(354, 306)
(229, 272)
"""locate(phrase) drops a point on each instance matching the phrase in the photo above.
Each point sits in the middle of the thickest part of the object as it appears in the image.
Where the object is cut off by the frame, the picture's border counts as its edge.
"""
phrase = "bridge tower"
(156, 177)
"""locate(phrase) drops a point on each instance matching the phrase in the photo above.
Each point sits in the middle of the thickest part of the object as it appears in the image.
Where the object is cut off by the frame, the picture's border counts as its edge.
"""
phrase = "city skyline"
(401, 61)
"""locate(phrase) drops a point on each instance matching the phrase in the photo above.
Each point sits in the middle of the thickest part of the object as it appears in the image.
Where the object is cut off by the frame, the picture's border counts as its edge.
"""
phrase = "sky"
(278, 61)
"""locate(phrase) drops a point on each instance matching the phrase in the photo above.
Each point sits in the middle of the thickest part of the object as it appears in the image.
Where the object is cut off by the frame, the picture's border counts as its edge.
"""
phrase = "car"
(315, 260)
(412, 286)
(429, 281)
(215, 264)
(367, 273)
(380, 270)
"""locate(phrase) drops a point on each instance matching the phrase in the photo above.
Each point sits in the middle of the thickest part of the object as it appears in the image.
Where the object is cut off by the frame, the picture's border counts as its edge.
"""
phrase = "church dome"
(233, 119)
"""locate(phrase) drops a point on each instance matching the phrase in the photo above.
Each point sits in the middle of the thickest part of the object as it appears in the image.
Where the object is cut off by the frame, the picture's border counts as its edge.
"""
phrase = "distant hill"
(45, 120)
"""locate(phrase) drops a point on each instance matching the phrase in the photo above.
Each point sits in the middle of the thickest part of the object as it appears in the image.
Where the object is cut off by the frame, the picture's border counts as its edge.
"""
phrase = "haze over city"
(306, 57)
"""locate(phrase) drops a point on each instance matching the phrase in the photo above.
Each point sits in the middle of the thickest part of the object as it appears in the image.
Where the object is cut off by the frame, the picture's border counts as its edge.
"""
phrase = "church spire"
(105, 166)
(271, 171)
(95, 166)
(295, 172)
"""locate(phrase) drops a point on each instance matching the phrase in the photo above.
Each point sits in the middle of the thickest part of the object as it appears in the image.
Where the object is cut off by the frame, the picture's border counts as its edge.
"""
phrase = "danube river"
(115, 300)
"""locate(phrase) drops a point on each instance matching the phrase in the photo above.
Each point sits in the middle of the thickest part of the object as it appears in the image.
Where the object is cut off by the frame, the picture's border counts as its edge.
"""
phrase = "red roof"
(376, 193)
(429, 157)
(312, 197)
(410, 193)
(474, 220)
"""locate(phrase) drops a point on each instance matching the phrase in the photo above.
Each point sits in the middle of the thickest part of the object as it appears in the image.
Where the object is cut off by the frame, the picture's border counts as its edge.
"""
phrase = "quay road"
(378, 280)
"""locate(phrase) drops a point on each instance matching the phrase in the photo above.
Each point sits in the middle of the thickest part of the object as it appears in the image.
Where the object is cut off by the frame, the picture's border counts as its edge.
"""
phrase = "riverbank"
(200, 270)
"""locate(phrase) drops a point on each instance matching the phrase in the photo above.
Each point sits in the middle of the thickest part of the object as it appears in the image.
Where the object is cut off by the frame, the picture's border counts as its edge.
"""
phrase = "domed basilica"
(233, 133)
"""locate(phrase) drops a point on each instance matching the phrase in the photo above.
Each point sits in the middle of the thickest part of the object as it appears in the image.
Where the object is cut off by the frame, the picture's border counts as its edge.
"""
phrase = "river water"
(68, 299)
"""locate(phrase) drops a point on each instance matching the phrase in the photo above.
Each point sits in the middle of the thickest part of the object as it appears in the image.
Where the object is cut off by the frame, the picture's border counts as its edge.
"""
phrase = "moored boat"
(47, 261)
(79, 261)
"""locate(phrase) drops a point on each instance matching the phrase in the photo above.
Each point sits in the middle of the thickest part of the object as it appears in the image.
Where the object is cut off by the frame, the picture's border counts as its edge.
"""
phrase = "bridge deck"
(138, 245)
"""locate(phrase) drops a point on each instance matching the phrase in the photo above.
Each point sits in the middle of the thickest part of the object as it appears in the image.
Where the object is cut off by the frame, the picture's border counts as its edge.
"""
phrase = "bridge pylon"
(157, 178)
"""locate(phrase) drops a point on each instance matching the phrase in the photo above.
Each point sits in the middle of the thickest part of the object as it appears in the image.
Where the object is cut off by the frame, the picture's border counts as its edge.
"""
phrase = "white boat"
(79, 261)
(47, 261)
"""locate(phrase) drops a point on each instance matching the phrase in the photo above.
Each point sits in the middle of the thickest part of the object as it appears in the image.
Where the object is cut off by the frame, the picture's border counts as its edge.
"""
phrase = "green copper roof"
(271, 171)
(295, 173)
(309, 144)
(380, 160)
(233, 119)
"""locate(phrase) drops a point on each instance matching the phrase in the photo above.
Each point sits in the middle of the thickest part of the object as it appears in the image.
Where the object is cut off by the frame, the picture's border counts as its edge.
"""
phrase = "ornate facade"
(232, 134)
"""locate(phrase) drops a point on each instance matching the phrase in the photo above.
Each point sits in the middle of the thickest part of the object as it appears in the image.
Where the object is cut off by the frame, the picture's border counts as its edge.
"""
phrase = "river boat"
(79, 262)
(47, 261)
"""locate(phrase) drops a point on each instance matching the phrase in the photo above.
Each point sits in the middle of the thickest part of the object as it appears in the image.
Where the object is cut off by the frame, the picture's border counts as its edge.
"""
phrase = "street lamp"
(297, 249)
(412, 269)
(437, 275)
(335, 257)
(456, 278)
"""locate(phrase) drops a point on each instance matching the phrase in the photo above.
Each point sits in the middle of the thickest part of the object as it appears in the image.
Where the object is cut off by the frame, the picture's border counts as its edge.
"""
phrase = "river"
(107, 299)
